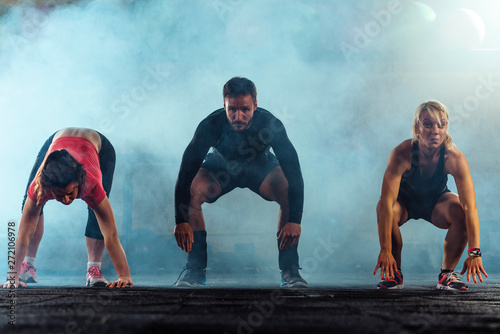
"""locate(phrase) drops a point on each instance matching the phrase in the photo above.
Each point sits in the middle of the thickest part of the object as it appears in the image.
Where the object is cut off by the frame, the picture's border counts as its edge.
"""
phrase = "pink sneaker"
(94, 277)
(392, 283)
(450, 281)
(28, 273)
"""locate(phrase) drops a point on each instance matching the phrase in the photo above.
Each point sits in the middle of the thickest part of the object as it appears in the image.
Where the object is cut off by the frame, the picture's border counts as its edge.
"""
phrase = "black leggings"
(107, 161)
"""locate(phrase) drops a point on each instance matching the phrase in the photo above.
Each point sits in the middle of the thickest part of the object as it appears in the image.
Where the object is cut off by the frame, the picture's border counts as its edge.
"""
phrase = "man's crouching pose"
(241, 136)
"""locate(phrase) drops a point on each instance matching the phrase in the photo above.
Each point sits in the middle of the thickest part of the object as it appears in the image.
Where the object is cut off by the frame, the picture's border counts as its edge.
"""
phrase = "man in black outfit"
(241, 136)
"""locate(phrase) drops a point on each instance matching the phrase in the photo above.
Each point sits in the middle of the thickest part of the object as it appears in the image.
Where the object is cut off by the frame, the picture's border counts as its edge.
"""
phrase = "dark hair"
(58, 171)
(238, 86)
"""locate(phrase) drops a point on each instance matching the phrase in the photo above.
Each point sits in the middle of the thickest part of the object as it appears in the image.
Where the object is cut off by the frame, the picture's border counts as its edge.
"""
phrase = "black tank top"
(418, 189)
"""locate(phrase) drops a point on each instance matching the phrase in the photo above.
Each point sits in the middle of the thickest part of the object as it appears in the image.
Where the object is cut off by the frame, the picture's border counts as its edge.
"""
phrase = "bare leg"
(204, 189)
(397, 244)
(37, 237)
(275, 188)
(448, 214)
(95, 249)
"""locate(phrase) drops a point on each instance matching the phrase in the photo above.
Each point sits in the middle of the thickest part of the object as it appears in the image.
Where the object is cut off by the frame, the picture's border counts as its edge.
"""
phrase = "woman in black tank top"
(415, 186)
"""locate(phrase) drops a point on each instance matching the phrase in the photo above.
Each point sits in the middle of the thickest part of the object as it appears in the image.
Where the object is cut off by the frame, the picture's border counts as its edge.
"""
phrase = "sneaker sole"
(297, 285)
(96, 285)
(190, 285)
(445, 287)
(29, 280)
(396, 287)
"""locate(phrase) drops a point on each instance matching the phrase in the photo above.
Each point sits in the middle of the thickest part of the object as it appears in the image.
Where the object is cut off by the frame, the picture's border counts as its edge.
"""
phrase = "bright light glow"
(427, 12)
(463, 29)
(478, 23)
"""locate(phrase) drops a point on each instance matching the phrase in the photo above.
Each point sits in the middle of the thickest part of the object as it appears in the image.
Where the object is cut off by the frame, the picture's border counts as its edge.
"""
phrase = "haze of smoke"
(145, 73)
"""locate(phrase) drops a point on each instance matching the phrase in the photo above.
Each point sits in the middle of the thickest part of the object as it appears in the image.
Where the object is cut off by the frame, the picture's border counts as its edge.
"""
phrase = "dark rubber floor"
(418, 308)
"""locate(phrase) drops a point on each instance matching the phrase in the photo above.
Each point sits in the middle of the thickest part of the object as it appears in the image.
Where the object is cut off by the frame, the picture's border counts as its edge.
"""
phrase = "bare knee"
(449, 213)
(275, 187)
(457, 212)
(39, 228)
(281, 193)
(456, 216)
(199, 196)
(204, 189)
(399, 213)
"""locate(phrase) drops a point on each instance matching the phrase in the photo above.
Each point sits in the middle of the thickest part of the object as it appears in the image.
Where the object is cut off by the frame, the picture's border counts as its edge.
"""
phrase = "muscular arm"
(27, 227)
(204, 138)
(399, 162)
(289, 162)
(396, 166)
(457, 166)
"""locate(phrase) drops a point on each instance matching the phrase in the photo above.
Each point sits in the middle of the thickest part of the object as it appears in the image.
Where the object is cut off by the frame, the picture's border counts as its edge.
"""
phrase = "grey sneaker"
(290, 278)
(194, 278)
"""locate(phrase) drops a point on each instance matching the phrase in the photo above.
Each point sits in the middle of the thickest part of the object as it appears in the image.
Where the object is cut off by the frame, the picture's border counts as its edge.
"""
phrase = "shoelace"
(95, 272)
(388, 279)
(452, 277)
(177, 280)
(293, 274)
(26, 267)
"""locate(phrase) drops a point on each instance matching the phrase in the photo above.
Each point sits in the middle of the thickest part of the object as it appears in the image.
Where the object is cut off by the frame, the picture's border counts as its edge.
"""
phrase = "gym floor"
(334, 305)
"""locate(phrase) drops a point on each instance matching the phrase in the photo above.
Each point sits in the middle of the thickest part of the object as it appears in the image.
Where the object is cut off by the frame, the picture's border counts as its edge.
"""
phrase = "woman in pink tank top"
(73, 163)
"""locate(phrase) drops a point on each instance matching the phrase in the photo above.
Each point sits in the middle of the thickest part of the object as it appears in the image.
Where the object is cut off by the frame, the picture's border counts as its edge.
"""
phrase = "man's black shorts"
(232, 174)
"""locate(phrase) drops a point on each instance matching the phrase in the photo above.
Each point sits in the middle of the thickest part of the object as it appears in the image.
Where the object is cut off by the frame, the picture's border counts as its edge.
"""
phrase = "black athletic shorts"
(421, 208)
(232, 174)
(107, 161)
